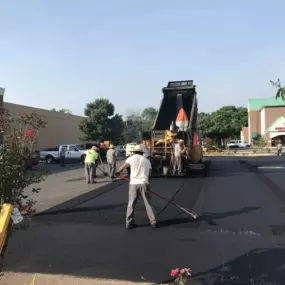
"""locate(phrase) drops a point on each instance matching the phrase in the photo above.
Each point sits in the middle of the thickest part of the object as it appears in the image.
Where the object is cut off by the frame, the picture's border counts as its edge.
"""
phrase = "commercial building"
(266, 117)
(61, 128)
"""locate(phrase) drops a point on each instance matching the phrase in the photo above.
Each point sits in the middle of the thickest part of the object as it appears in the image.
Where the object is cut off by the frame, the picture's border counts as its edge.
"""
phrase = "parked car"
(120, 151)
(73, 152)
(237, 144)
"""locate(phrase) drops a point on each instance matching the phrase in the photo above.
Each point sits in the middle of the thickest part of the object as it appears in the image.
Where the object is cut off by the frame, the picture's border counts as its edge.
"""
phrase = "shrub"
(18, 138)
(17, 146)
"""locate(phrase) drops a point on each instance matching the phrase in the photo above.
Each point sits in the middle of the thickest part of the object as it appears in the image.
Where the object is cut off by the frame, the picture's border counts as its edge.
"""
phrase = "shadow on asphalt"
(258, 266)
(79, 200)
(82, 209)
(210, 217)
(205, 217)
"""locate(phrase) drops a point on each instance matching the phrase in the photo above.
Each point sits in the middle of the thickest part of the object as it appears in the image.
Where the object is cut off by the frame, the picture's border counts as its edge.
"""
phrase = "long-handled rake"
(103, 168)
(187, 211)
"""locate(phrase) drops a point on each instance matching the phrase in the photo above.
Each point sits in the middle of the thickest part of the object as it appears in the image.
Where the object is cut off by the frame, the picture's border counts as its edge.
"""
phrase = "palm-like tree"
(280, 90)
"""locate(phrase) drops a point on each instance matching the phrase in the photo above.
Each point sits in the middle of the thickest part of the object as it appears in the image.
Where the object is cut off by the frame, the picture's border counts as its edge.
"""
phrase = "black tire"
(49, 159)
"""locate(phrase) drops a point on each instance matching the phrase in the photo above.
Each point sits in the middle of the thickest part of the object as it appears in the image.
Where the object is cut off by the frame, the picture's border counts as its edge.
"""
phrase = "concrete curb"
(239, 154)
(15, 278)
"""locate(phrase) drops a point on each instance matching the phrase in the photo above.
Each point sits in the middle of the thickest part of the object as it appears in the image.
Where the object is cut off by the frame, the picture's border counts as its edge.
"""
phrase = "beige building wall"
(272, 113)
(245, 134)
(61, 128)
(254, 122)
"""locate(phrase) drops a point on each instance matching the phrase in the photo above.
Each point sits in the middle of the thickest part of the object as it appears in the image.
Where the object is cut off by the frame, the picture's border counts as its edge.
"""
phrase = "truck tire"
(49, 159)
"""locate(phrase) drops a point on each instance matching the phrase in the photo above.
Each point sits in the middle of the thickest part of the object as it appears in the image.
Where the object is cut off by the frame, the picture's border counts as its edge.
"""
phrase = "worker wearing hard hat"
(179, 150)
(111, 160)
(91, 156)
(139, 185)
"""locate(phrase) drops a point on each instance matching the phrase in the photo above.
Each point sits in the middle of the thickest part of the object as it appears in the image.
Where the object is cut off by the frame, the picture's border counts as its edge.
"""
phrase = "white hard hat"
(181, 141)
(139, 148)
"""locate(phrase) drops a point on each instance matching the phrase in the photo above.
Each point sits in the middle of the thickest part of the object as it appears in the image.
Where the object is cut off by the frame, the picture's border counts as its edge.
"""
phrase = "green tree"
(148, 117)
(226, 122)
(117, 126)
(133, 126)
(280, 90)
(204, 124)
(101, 123)
(65, 111)
(138, 122)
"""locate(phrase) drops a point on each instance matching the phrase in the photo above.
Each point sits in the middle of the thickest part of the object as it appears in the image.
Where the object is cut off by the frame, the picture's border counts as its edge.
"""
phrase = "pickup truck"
(74, 152)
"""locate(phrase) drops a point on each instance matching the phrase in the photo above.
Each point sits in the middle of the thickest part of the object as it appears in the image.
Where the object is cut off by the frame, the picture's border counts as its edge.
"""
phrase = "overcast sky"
(65, 53)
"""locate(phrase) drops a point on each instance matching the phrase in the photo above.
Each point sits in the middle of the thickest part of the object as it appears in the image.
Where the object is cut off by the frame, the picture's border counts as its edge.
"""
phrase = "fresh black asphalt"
(239, 237)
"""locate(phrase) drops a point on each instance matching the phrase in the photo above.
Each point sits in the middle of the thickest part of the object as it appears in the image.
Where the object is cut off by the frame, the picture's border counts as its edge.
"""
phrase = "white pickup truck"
(73, 152)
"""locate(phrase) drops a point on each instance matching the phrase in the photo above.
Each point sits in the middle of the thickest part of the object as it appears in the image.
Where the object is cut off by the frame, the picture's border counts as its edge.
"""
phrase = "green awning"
(255, 135)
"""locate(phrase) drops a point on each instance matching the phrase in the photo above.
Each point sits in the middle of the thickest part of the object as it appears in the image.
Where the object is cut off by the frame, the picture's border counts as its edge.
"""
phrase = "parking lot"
(239, 234)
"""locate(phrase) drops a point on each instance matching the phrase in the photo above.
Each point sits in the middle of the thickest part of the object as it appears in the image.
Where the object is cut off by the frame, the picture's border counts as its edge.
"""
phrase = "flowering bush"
(181, 275)
(18, 136)
(17, 141)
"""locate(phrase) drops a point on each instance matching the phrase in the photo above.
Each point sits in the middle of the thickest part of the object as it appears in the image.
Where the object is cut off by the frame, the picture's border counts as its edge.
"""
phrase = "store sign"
(280, 129)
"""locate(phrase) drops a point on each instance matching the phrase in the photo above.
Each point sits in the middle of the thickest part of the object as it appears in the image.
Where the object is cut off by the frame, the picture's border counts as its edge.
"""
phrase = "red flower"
(29, 133)
(174, 272)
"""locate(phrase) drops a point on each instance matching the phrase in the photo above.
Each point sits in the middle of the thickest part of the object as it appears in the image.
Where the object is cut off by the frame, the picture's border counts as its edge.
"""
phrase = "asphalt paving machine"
(177, 120)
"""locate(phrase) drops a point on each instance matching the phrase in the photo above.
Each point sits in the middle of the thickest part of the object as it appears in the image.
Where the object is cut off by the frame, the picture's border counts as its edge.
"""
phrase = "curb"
(241, 154)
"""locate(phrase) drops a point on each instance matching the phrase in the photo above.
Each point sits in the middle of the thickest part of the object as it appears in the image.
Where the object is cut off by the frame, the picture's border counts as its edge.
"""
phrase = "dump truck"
(176, 120)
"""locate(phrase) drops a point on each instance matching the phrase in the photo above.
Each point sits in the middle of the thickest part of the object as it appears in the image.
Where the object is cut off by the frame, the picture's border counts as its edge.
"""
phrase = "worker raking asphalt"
(140, 177)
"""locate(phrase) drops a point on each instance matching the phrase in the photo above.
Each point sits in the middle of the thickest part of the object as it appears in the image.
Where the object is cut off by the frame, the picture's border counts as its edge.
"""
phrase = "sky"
(64, 54)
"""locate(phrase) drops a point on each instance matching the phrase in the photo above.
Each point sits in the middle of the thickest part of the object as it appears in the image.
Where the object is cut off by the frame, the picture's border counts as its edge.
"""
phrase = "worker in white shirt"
(111, 160)
(145, 150)
(139, 185)
(179, 150)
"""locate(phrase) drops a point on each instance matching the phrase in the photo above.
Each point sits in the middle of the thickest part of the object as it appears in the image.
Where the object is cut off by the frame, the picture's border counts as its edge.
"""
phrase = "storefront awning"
(276, 134)
(255, 135)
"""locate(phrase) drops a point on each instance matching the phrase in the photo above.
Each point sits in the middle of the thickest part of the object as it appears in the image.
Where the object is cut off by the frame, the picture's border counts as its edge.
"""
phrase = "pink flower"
(174, 272)
(29, 133)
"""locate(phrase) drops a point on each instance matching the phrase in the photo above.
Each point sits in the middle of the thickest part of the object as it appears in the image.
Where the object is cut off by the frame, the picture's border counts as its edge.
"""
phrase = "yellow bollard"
(5, 216)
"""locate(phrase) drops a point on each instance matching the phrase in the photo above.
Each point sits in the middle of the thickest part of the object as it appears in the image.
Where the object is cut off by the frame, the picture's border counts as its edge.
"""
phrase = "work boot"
(131, 226)
(154, 225)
